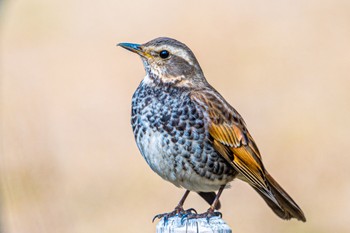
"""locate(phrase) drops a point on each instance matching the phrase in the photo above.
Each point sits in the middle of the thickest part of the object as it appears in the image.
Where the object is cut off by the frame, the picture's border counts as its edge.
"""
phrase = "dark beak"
(136, 48)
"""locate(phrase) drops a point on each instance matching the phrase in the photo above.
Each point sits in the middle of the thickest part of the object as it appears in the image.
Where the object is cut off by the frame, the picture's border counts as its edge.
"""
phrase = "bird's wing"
(232, 140)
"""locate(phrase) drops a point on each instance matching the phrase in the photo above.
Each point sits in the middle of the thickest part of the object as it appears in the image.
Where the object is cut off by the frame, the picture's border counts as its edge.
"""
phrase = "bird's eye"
(164, 54)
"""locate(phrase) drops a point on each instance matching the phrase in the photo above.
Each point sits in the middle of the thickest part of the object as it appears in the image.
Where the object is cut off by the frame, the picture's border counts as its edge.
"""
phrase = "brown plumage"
(190, 135)
(233, 141)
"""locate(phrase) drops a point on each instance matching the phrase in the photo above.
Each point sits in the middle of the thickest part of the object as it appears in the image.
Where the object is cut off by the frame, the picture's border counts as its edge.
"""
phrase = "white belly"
(173, 168)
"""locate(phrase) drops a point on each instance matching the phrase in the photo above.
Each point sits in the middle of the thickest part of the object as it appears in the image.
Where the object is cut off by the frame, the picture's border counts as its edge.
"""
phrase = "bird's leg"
(211, 211)
(178, 209)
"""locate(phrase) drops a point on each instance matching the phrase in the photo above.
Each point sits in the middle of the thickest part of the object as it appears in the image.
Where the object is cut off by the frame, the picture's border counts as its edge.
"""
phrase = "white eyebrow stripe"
(180, 52)
(183, 54)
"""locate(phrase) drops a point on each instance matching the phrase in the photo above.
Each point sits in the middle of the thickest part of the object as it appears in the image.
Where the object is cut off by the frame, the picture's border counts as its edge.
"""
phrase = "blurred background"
(69, 162)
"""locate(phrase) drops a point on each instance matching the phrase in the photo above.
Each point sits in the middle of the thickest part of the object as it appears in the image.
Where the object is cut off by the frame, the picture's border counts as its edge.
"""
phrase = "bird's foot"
(179, 211)
(208, 215)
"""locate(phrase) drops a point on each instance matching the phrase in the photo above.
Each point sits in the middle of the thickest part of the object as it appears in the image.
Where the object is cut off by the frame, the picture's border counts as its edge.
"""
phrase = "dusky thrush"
(191, 136)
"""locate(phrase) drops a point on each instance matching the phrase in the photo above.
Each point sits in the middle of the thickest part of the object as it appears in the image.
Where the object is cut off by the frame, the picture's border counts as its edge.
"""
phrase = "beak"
(136, 48)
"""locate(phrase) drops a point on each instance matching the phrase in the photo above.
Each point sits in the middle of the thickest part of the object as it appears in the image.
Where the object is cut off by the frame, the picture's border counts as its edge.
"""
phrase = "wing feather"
(233, 141)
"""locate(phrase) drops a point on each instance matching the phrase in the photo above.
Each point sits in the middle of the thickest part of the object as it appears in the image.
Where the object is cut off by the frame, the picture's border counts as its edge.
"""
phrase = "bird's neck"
(153, 81)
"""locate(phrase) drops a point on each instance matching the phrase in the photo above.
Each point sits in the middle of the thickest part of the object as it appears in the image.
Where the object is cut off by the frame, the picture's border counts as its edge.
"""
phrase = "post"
(200, 225)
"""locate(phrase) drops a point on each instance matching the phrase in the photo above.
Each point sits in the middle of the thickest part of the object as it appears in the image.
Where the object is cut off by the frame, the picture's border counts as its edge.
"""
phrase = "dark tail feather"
(287, 208)
(209, 197)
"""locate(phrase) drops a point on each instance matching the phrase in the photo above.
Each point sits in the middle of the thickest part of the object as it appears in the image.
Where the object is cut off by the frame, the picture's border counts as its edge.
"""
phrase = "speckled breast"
(172, 135)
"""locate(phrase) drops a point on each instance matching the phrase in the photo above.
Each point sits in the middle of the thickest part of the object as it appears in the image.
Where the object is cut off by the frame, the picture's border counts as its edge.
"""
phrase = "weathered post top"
(200, 225)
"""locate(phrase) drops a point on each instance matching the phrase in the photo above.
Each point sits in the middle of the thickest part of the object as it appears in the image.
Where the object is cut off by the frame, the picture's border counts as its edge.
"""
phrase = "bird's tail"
(210, 197)
(286, 207)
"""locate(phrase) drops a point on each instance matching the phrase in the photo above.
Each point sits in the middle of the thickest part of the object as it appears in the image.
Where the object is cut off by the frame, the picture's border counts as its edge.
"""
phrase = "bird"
(191, 136)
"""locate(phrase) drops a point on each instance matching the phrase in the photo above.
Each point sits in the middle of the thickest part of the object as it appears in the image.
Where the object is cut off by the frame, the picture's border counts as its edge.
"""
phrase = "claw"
(208, 219)
(189, 211)
(213, 214)
(165, 220)
(183, 218)
(208, 215)
(187, 214)
(166, 216)
(155, 217)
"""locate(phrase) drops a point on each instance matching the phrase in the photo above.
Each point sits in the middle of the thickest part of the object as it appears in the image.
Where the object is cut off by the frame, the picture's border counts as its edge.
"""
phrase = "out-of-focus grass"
(69, 161)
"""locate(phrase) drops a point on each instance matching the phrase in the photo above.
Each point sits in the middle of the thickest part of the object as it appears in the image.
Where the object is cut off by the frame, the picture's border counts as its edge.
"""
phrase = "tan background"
(69, 161)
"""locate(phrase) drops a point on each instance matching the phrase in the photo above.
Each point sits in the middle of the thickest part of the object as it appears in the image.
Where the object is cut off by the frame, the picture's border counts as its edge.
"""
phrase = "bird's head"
(168, 61)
